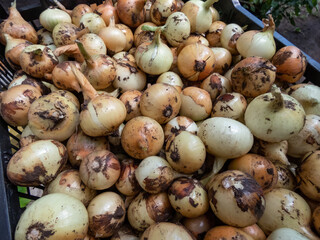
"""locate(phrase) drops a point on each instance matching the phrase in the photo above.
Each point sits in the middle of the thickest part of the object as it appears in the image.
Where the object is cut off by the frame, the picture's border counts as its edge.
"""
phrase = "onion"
(253, 76)
(198, 226)
(224, 138)
(285, 208)
(161, 10)
(166, 230)
(93, 44)
(307, 140)
(79, 145)
(286, 234)
(195, 103)
(14, 47)
(188, 197)
(125, 232)
(115, 137)
(316, 219)
(44, 37)
(36, 60)
(140, 36)
(106, 10)
(196, 62)
(226, 232)
(147, 209)
(229, 36)
(185, 152)
(154, 57)
(195, 38)
(106, 214)
(17, 27)
(308, 96)
(27, 137)
(69, 182)
(127, 182)
(308, 176)
(131, 12)
(255, 232)
(131, 99)
(274, 116)
(129, 35)
(93, 22)
(100, 169)
(178, 124)
(154, 174)
(50, 17)
(291, 64)
(259, 167)
(142, 137)
(55, 216)
(124, 56)
(214, 33)
(198, 13)
(223, 59)
(230, 105)
(216, 85)
(258, 43)
(37, 163)
(66, 33)
(129, 76)
(98, 69)
(286, 179)
(93, 120)
(161, 102)
(70, 96)
(15, 104)
(172, 79)
(53, 117)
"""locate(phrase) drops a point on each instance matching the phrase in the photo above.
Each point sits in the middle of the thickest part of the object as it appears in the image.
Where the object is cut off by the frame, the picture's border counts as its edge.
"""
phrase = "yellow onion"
(140, 36)
(172, 79)
(37, 163)
(166, 230)
(69, 182)
(161, 102)
(93, 22)
(196, 62)
(308, 175)
(258, 43)
(44, 37)
(107, 11)
(188, 197)
(106, 214)
(27, 137)
(100, 170)
(195, 103)
(198, 226)
(214, 33)
(229, 36)
(194, 38)
(255, 232)
(316, 219)
(216, 85)
(291, 64)
(236, 198)
(274, 116)
(178, 124)
(131, 99)
(16, 102)
(286, 233)
(223, 59)
(129, 35)
(147, 209)
(142, 137)
(131, 12)
(125, 232)
(50, 17)
(226, 232)
(259, 167)
(54, 216)
(161, 10)
(17, 27)
(253, 76)
(286, 179)
(285, 208)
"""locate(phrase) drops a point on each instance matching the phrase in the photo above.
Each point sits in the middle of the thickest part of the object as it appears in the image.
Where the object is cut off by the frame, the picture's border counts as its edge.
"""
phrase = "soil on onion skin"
(307, 38)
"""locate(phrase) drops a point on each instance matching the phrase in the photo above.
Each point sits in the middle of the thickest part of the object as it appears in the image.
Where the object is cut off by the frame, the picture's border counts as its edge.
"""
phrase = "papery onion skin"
(286, 179)
(200, 225)
(93, 22)
(291, 64)
(132, 12)
(160, 10)
(172, 79)
(166, 230)
(131, 99)
(226, 232)
(229, 36)
(253, 76)
(178, 124)
(223, 59)
(236, 198)
(50, 17)
(214, 33)
(255, 232)
(216, 84)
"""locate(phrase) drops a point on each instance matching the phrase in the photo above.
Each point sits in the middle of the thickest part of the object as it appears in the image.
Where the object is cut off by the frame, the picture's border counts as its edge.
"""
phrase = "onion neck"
(14, 4)
(278, 102)
(112, 22)
(306, 231)
(37, 54)
(62, 7)
(150, 28)
(207, 4)
(87, 57)
(269, 25)
(82, 32)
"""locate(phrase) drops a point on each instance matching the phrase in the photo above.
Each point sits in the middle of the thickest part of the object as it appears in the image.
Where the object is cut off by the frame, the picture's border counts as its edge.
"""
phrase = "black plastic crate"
(230, 11)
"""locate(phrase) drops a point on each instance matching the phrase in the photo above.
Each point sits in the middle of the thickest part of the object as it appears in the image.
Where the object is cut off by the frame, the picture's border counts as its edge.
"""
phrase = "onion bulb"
(308, 176)
(142, 137)
(255, 232)
(131, 12)
(286, 179)
(285, 208)
(286, 233)
(44, 37)
(253, 76)
(107, 11)
(236, 198)
(140, 36)
(172, 79)
(93, 22)
(131, 99)
(258, 43)
(198, 226)
(216, 85)
(196, 62)
(229, 36)
(54, 216)
(154, 57)
(178, 124)
(50, 17)
(17, 27)
(199, 14)
(226, 232)
(274, 116)
(166, 230)
(214, 33)
(223, 59)
(316, 219)
(291, 64)
(161, 10)
(27, 137)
